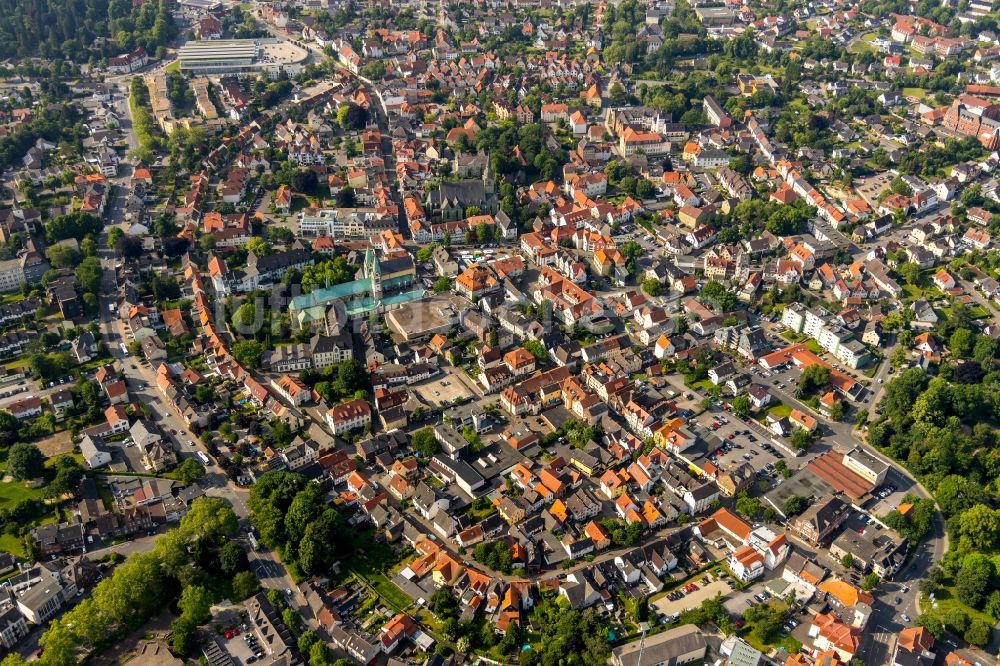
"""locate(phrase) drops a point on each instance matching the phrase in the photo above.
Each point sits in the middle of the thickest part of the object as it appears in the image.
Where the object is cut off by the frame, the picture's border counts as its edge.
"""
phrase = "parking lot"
(732, 441)
(244, 648)
(444, 389)
(898, 487)
(667, 606)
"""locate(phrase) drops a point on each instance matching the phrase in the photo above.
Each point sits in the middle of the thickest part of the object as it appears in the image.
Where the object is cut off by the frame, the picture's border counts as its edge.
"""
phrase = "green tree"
(717, 295)
(981, 525)
(992, 607)
(89, 274)
(979, 633)
(195, 604)
(248, 353)
(974, 581)
(306, 641)
(115, 234)
(801, 439)
(67, 478)
(536, 349)
(741, 405)
(319, 654)
(425, 443)
(232, 559)
(245, 317)
(258, 246)
(794, 505)
(747, 506)
(897, 358)
(182, 636)
(931, 623)
(245, 585)
(189, 471)
(350, 116)
(25, 461)
(984, 350)
(813, 379)
(765, 621)
(73, 225)
(442, 284)
(63, 256)
(961, 343)
(291, 618)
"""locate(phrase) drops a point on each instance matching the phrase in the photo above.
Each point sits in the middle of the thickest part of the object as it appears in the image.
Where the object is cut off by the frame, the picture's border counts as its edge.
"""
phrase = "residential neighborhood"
(633, 333)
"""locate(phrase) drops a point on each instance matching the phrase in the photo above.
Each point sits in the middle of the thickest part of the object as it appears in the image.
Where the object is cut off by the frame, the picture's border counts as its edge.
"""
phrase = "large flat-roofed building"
(866, 465)
(345, 222)
(241, 56)
(715, 16)
(680, 645)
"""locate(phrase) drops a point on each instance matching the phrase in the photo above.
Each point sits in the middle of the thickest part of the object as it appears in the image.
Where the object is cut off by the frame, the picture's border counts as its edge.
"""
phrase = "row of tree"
(293, 518)
(940, 428)
(185, 566)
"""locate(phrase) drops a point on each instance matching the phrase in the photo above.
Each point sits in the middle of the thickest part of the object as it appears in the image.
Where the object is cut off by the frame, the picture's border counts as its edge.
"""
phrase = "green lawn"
(789, 643)
(13, 545)
(391, 594)
(175, 66)
(13, 492)
(779, 410)
(481, 515)
(814, 347)
(861, 46)
(977, 311)
(912, 292)
(705, 385)
(918, 93)
(792, 336)
(947, 601)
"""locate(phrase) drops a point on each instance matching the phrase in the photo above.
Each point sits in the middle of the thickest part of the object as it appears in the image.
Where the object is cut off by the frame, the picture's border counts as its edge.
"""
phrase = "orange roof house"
(916, 639)
(726, 525)
(845, 593)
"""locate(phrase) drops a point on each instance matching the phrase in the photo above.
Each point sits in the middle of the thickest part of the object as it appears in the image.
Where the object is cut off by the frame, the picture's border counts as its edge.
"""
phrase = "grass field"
(175, 66)
(864, 44)
(13, 492)
(12, 544)
(947, 602)
(918, 93)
